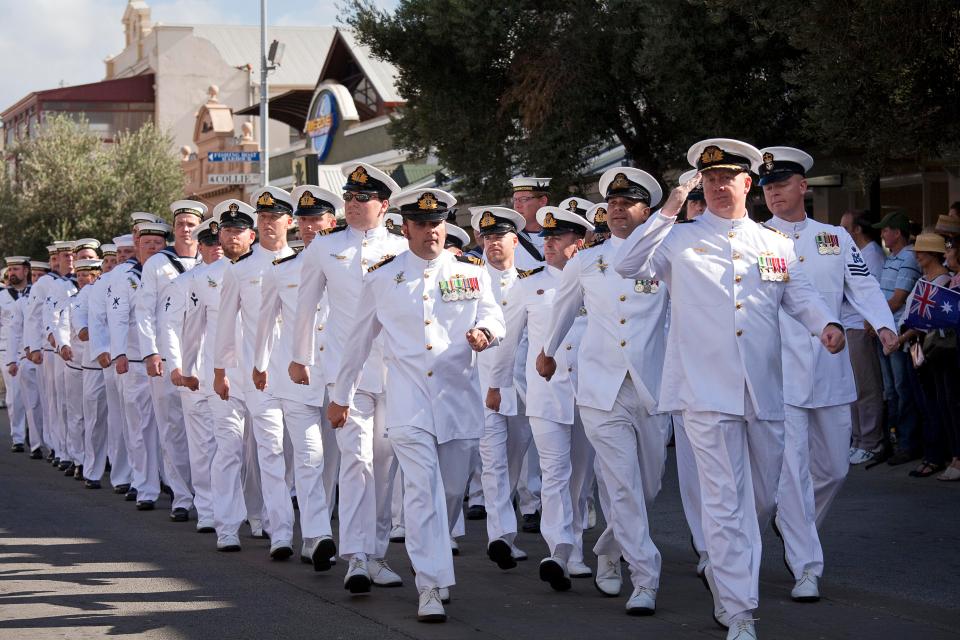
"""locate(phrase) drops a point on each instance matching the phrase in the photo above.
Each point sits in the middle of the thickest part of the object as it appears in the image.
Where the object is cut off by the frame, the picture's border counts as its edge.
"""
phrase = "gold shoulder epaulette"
(286, 259)
(594, 243)
(243, 257)
(529, 272)
(385, 260)
(326, 232)
(470, 260)
(769, 228)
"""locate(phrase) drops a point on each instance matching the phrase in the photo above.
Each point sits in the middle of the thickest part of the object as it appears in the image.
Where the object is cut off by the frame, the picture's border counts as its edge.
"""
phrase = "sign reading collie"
(322, 124)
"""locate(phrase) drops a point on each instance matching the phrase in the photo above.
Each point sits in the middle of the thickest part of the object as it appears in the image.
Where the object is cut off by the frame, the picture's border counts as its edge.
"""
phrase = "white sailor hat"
(161, 229)
(456, 236)
(366, 177)
(86, 243)
(576, 205)
(425, 204)
(87, 265)
(393, 221)
(630, 182)
(52, 248)
(270, 199)
(779, 163)
(20, 260)
(144, 216)
(723, 153)
(529, 183)
(206, 229)
(697, 192)
(597, 216)
(234, 213)
(126, 240)
(296, 245)
(37, 264)
(108, 249)
(555, 221)
(311, 200)
(63, 245)
(188, 206)
(495, 220)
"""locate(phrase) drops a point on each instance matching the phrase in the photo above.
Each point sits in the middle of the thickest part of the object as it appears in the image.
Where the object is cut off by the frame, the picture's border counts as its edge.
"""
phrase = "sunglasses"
(360, 196)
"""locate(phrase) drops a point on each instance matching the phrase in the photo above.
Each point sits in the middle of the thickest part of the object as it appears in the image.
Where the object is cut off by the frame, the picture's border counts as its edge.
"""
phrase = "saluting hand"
(678, 196)
(546, 366)
(337, 414)
(833, 338)
(477, 340)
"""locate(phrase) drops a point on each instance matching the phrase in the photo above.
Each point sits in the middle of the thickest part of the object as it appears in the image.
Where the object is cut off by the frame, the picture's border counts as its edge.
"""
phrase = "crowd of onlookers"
(908, 406)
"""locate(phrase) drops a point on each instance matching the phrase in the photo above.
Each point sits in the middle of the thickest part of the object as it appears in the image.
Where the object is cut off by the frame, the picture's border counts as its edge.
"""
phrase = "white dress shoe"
(322, 553)
(357, 579)
(500, 552)
(228, 542)
(382, 575)
(578, 569)
(719, 613)
(398, 533)
(431, 608)
(306, 550)
(742, 630)
(205, 526)
(643, 602)
(609, 580)
(517, 553)
(281, 550)
(256, 528)
(554, 571)
(806, 589)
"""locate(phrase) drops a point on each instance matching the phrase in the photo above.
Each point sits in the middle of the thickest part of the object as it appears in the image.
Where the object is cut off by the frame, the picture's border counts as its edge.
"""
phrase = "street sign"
(233, 178)
(233, 156)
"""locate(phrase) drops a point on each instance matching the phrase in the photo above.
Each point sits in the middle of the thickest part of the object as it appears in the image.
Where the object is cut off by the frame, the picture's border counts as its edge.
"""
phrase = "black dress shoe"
(78, 472)
(121, 488)
(68, 470)
(531, 522)
(145, 505)
(17, 448)
(179, 515)
(92, 484)
(55, 462)
(51, 456)
(477, 512)
(36, 454)
(167, 490)
(131, 494)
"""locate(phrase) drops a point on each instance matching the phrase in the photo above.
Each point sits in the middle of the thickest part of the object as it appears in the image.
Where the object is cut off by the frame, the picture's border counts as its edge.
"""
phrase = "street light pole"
(264, 107)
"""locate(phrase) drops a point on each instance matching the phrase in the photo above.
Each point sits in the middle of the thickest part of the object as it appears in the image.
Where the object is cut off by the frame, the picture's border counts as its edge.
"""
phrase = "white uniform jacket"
(725, 320)
(172, 316)
(158, 272)
(337, 262)
(431, 377)
(100, 299)
(501, 282)
(624, 334)
(35, 326)
(13, 312)
(812, 376)
(121, 312)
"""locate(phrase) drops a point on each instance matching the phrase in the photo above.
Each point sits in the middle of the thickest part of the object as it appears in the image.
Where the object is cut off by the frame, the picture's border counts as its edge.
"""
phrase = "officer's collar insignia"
(266, 200)
(307, 200)
(620, 182)
(359, 175)
(487, 220)
(711, 154)
(599, 216)
(768, 161)
(549, 222)
(427, 202)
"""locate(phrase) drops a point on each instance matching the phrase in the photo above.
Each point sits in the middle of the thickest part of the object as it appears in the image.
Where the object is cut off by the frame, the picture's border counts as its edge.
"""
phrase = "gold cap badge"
(307, 200)
(487, 220)
(427, 202)
(600, 216)
(549, 222)
(359, 175)
(620, 182)
(768, 161)
(214, 228)
(572, 207)
(234, 207)
(266, 200)
(711, 154)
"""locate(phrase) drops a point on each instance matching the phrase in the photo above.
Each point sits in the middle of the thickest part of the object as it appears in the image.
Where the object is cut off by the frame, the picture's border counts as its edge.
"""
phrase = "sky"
(49, 43)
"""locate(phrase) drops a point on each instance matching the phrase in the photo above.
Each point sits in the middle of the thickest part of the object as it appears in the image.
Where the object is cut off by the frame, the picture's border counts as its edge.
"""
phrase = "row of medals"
(828, 244)
(772, 268)
(460, 289)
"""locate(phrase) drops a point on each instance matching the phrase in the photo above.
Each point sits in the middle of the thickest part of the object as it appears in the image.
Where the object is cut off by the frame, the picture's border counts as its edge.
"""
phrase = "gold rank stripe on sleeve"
(470, 260)
(386, 259)
(529, 272)
(777, 231)
(286, 259)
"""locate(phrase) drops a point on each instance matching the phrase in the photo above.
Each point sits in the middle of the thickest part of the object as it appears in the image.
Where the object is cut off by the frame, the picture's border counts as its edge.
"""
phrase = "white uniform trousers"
(689, 485)
(60, 404)
(94, 424)
(201, 446)
(15, 409)
(502, 449)
(425, 500)
(396, 507)
(266, 417)
(73, 418)
(28, 386)
(565, 455)
(168, 409)
(143, 442)
(738, 464)
(51, 431)
(367, 469)
(630, 446)
(331, 460)
(815, 464)
(475, 484)
(120, 470)
(303, 427)
(529, 483)
(229, 507)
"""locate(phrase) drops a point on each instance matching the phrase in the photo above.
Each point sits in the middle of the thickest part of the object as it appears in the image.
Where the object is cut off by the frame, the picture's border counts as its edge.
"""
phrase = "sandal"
(952, 474)
(925, 470)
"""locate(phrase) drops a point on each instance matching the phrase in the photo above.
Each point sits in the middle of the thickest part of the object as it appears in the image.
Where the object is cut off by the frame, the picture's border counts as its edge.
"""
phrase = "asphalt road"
(77, 564)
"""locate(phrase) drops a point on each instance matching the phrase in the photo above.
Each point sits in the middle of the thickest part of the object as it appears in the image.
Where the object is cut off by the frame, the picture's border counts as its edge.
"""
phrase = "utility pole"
(264, 107)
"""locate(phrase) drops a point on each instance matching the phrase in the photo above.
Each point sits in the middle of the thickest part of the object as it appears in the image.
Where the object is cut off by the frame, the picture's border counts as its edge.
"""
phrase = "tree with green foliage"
(67, 184)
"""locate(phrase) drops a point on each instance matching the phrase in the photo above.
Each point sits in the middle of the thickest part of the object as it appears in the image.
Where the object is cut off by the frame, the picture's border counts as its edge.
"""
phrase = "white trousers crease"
(201, 445)
(143, 441)
(303, 428)
(94, 424)
(168, 409)
(121, 472)
(503, 447)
